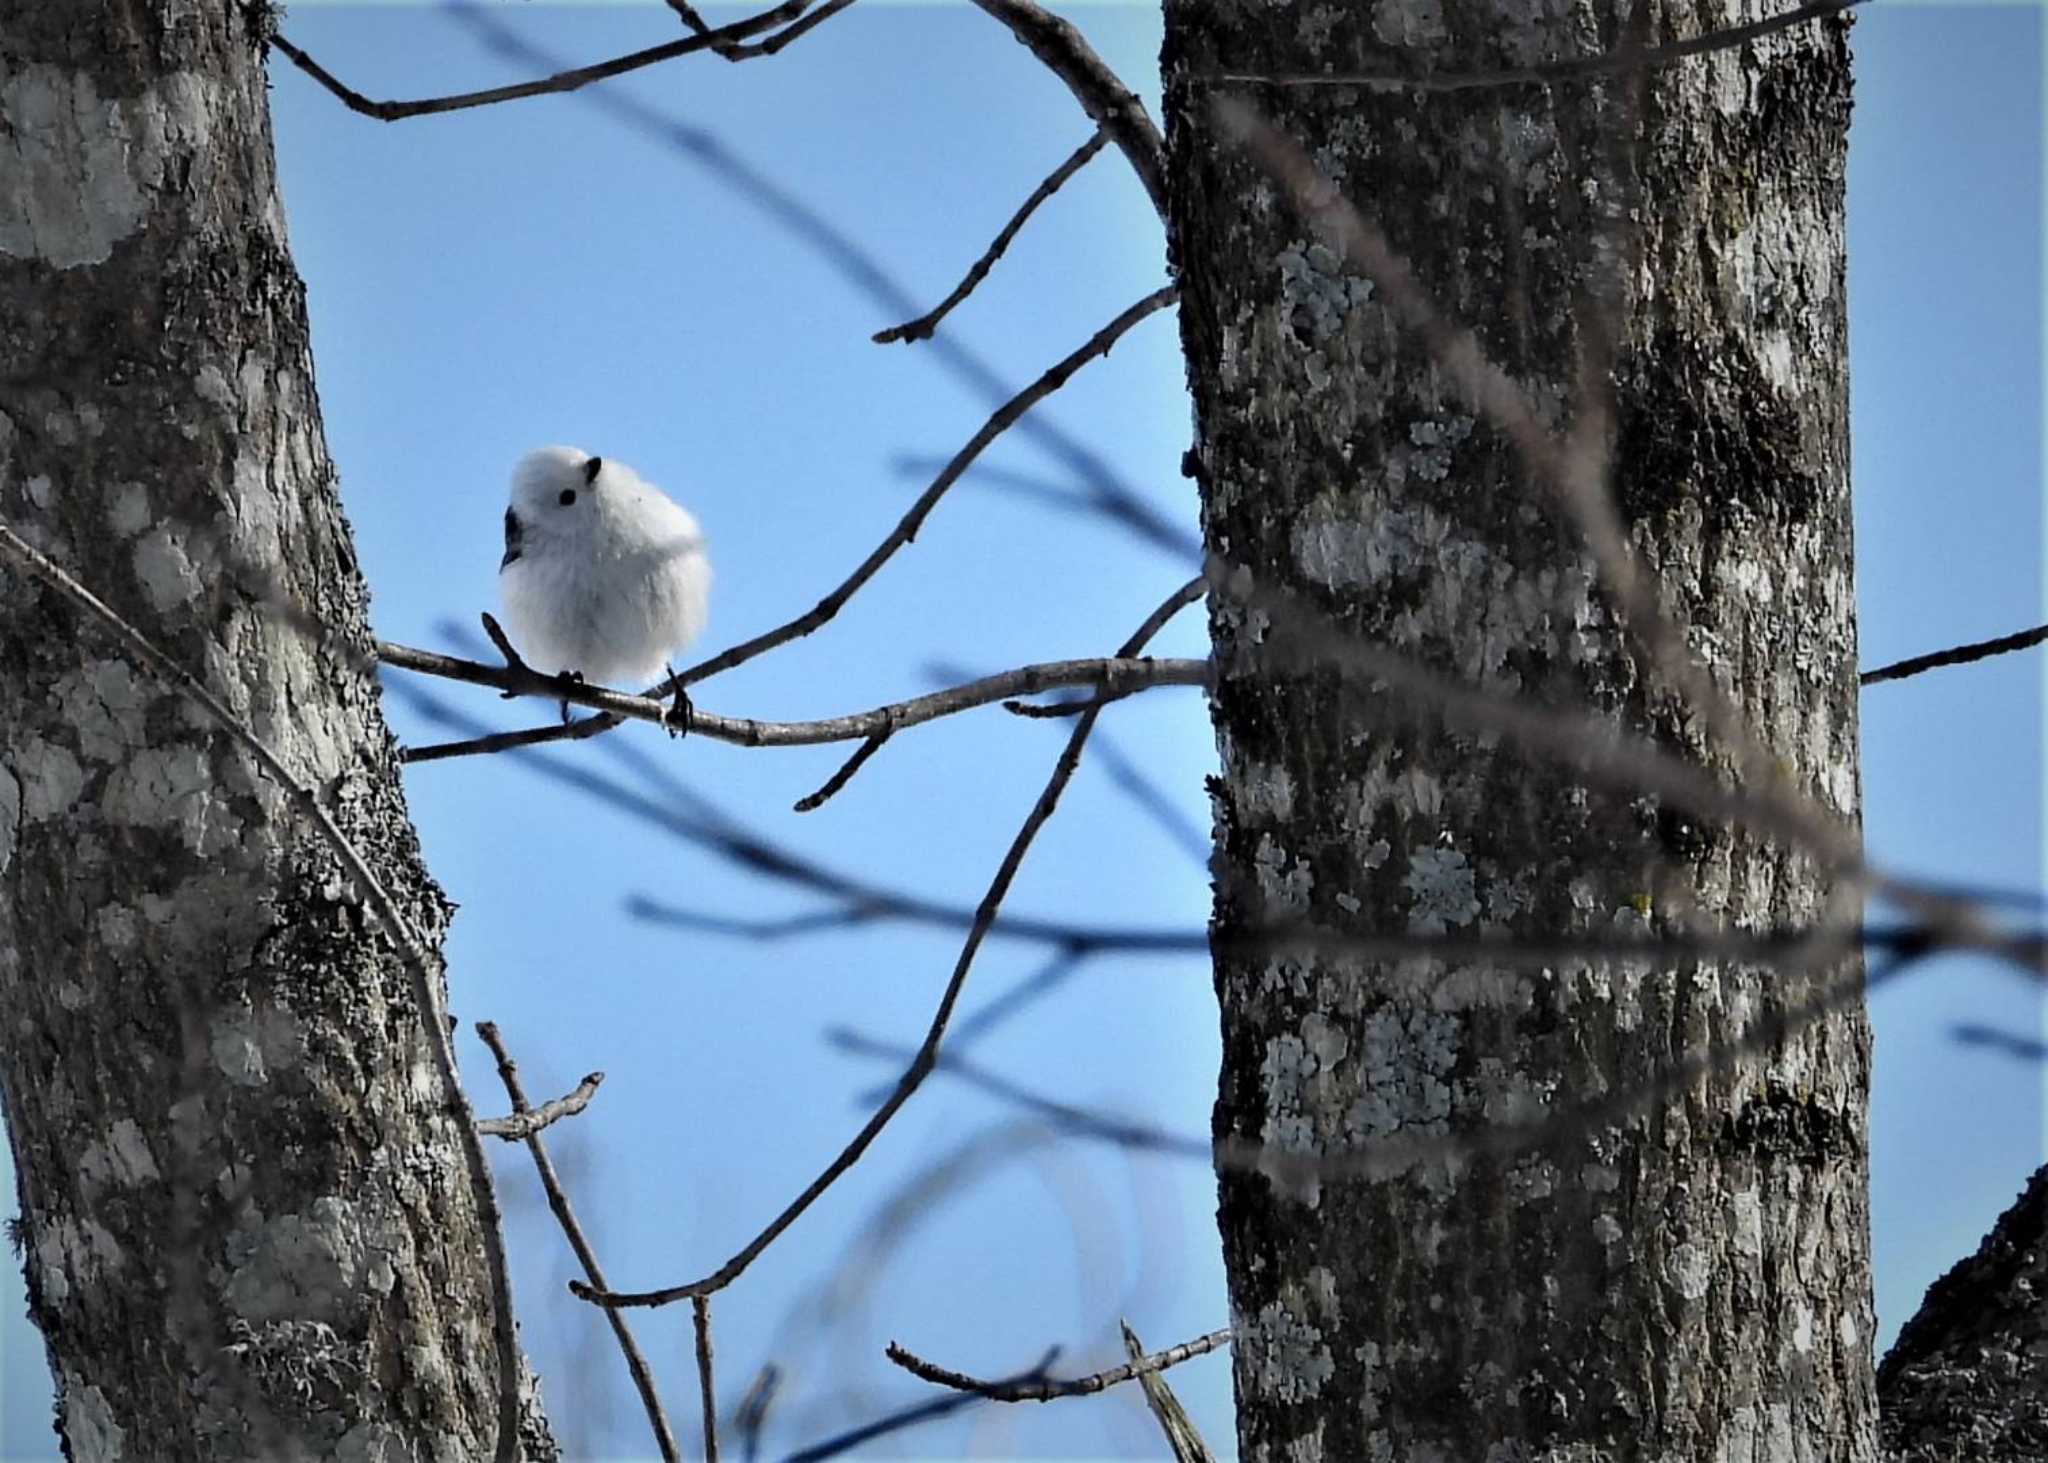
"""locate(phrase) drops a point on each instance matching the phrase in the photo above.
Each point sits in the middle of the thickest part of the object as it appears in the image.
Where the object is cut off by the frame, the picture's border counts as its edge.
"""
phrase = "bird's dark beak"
(515, 538)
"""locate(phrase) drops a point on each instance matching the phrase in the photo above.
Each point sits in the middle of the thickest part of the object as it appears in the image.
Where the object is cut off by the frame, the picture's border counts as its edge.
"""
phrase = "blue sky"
(680, 269)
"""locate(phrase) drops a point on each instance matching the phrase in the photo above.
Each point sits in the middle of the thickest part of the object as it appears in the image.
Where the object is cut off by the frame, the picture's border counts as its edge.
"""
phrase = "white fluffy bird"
(604, 575)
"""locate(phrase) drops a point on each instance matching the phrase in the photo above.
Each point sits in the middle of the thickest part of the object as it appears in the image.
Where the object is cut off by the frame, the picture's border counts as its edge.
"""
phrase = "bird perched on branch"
(604, 575)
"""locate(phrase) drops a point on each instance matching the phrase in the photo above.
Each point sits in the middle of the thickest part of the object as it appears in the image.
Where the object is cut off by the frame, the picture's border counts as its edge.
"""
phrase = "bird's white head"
(551, 479)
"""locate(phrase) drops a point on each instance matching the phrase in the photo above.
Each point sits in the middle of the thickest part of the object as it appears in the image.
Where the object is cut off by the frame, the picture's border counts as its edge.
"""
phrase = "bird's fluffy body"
(604, 574)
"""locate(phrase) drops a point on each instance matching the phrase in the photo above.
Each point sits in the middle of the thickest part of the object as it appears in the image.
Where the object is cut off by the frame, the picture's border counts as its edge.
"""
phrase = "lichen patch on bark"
(86, 167)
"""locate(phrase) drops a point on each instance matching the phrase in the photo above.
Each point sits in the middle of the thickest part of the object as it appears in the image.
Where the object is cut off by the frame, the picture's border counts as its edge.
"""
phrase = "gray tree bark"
(1691, 1282)
(246, 1225)
(1967, 1380)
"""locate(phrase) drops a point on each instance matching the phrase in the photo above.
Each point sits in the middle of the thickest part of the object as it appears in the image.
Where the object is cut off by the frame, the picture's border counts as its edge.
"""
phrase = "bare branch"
(919, 1069)
(1621, 59)
(1099, 344)
(421, 965)
(1066, 1118)
(1048, 1390)
(1051, 710)
(2015, 1044)
(811, 802)
(922, 327)
(1039, 983)
(558, 1201)
(1099, 498)
(561, 81)
(1102, 95)
(752, 1413)
(674, 808)
(1180, 1433)
(1898, 670)
(1606, 756)
(524, 1123)
(792, 33)
(914, 1200)
(687, 13)
(908, 1417)
(700, 1307)
(1126, 675)
(735, 51)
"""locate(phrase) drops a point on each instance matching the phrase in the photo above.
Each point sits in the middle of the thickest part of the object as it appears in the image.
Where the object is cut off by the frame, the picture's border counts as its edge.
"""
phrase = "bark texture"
(1967, 1380)
(1690, 1283)
(246, 1225)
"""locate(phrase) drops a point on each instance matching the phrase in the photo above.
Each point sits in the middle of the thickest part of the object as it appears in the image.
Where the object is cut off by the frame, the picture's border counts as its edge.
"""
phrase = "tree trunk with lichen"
(246, 1223)
(1967, 1380)
(1689, 1281)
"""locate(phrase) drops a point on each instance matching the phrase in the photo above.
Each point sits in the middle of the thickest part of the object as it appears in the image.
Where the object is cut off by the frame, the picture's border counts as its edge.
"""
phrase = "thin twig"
(1605, 755)
(1124, 674)
(524, 1123)
(1098, 344)
(1101, 93)
(811, 802)
(922, 327)
(1103, 498)
(2018, 1045)
(751, 1416)
(854, 909)
(1305, 940)
(1898, 670)
(736, 51)
(917, 1199)
(561, 81)
(687, 13)
(908, 1417)
(1175, 1426)
(754, 50)
(420, 964)
(1065, 1117)
(919, 1069)
(1051, 710)
(1621, 59)
(558, 1201)
(700, 1308)
(1048, 1390)
(1060, 709)
(1035, 985)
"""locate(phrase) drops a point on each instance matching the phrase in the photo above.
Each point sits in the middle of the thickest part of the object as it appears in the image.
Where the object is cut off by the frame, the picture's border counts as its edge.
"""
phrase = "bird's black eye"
(592, 468)
(568, 497)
